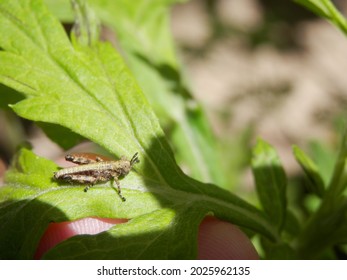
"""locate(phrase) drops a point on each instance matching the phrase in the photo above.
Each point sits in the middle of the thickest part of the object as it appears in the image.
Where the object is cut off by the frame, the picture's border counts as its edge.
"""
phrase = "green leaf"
(325, 229)
(338, 181)
(144, 34)
(270, 182)
(154, 62)
(311, 171)
(89, 90)
(326, 226)
(325, 158)
(159, 218)
(278, 251)
(327, 10)
(166, 238)
(30, 200)
(86, 28)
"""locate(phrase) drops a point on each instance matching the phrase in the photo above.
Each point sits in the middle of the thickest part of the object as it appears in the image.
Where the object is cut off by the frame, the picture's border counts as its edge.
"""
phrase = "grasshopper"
(93, 168)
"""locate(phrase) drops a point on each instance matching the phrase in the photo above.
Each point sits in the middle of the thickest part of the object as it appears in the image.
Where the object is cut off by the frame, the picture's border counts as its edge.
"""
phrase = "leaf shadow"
(23, 222)
(168, 232)
(154, 244)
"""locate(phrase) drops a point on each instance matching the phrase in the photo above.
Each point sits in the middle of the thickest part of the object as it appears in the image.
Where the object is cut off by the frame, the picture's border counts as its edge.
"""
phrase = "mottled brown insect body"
(94, 168)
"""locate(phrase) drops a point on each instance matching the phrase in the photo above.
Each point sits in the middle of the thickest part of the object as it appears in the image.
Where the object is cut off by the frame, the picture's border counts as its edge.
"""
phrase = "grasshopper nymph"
(94, 168)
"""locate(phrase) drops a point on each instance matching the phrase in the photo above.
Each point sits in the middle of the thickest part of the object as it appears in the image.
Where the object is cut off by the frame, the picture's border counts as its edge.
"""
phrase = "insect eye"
(68, 157)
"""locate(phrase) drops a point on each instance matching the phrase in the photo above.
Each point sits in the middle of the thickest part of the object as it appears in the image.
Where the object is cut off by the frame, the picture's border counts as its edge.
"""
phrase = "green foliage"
(270, 181)
(84, 86)
(154, 62)
(143, 33)
(81, 88)
(327, 225)
(327, 10)
(311, 171)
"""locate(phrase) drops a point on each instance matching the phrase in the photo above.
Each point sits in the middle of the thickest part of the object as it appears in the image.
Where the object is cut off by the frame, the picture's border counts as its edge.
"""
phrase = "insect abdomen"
(84, 169)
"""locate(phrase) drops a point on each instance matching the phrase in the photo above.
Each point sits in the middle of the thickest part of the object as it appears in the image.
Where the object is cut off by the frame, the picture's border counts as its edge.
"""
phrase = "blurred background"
(261, 68)
(266, 64)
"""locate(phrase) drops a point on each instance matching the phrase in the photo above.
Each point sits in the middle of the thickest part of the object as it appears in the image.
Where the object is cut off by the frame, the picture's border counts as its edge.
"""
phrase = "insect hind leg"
(118, 188)
(81, 179)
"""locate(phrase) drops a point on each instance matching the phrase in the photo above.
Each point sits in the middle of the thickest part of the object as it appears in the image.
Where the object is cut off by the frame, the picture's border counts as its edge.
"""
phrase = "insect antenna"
(134, 159)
